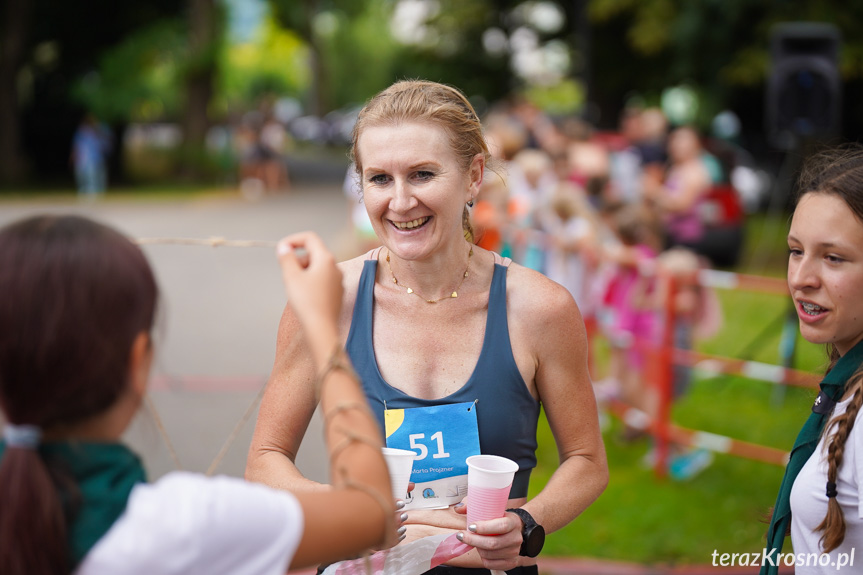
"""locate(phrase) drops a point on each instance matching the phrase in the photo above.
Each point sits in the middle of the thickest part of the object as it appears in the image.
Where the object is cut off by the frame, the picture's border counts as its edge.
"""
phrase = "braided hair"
(839, 172)
(838, 429)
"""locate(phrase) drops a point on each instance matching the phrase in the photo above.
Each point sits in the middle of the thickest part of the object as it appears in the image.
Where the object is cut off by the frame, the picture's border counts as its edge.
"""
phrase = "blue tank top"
(506, 412)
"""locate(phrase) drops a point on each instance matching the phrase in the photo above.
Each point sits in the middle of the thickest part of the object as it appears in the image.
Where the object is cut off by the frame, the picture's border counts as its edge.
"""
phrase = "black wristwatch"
(532, 534)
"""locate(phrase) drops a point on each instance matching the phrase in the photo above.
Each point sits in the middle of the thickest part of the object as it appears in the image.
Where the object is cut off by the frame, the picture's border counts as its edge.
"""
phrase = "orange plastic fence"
(664, 430)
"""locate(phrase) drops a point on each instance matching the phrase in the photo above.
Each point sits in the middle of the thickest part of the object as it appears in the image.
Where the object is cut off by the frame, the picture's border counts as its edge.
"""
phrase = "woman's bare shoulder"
(535, 299)
(351, 270)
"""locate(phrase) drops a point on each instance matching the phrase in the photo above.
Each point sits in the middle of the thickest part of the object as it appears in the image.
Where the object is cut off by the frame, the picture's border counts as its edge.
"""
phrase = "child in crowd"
(696, 315)
(571, 259)
(628, 319)
(490, 214)
(532, 180)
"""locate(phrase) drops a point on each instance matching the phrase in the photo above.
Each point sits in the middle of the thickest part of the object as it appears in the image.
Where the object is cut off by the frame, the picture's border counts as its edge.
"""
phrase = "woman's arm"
(357, 512)
(564, 387)
(286, 409)
(289, 401)
(549, 323)
(694, 183)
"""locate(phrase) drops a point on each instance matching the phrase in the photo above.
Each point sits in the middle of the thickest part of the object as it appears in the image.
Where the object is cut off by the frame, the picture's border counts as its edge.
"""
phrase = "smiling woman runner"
(821, 493)
(78, 307)
(434, 323)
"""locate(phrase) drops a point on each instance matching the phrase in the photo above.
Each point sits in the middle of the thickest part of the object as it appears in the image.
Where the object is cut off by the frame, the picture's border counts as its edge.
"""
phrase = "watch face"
(534, 540)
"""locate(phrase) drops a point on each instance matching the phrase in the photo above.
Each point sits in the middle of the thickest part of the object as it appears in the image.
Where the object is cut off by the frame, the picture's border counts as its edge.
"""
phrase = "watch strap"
(531, 527)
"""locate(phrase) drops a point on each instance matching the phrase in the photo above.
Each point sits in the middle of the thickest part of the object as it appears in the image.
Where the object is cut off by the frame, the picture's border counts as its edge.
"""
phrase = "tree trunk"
(13, 40)
(199, 84)
(318, 93)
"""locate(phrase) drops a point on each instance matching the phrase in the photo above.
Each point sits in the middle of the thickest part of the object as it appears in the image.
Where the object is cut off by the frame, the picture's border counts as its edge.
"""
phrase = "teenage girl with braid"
(79, 301)
(821, 497)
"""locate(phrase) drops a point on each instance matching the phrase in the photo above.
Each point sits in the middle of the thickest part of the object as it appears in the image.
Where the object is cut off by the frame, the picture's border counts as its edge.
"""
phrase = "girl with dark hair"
(78, 306)
(821, 497)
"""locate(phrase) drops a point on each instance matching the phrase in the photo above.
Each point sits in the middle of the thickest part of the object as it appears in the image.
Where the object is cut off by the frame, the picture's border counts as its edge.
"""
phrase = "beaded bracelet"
(336, 361)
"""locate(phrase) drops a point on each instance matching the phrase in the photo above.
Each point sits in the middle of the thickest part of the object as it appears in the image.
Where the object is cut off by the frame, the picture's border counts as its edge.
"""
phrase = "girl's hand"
(313, 284)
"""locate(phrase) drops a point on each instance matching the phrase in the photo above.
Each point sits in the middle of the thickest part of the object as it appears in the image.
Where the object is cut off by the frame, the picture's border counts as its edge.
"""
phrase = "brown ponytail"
(833, 525)
(75, 295)
(33, 542)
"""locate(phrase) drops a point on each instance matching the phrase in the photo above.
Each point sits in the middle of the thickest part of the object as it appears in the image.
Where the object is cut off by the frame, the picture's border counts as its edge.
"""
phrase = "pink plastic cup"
(489, 479)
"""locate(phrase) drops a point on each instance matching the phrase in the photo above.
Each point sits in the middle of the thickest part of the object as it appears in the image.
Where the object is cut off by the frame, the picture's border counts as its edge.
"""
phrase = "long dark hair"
(75, 295)
(838, 172)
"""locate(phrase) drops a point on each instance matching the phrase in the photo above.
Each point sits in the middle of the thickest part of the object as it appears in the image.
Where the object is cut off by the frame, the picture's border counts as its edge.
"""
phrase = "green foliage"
(275, 63)
(566, 97)
(359, 53)
(732, 34)
(139, 79)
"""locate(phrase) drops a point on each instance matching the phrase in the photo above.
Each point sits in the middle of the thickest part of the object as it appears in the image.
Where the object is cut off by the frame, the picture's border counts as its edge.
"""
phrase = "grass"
(644, 519)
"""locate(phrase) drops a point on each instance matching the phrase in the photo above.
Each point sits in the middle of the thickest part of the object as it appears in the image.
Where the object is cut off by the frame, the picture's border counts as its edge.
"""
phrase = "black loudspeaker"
(804, 89)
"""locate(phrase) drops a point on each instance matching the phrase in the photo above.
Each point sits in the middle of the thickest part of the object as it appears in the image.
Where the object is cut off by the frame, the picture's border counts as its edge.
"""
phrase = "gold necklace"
(454, 293)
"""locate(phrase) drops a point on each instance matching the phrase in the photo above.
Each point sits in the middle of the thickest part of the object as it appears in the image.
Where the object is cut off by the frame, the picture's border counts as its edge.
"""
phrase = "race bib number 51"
(443, 437)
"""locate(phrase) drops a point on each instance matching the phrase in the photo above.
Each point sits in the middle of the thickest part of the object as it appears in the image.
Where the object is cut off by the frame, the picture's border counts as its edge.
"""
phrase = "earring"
(470, 203)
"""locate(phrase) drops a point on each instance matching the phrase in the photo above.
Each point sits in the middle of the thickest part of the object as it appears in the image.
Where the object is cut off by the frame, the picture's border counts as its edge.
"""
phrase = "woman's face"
(414, 188)
(825, 270)
(683, 145)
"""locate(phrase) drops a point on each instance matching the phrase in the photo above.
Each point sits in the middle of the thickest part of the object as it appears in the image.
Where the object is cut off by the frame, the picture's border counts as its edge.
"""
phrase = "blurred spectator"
(570, 262)
(491, 214)
(588, 160)
(363, 237)
(91, 144)
(260, 143)
(538, 125)
(273, 141)
(532, 180)
(652, 142)
(677, 199)
(506, 136)
(628, 317)
(697, 315)
(626, 164)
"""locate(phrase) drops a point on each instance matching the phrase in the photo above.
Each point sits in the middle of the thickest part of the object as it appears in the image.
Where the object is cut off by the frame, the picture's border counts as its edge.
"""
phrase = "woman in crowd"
(78, 307)
(820, 496)
(430, 319)
(678, 198)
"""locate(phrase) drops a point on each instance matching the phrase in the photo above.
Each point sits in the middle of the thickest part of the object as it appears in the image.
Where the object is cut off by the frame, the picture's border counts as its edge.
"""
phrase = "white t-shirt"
(187, 523)
(809, 502)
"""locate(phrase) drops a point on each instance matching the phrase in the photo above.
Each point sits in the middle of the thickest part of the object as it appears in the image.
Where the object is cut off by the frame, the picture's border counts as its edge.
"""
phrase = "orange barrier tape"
(722, 444)
(734, 281)
(751, 369)
(710, 441)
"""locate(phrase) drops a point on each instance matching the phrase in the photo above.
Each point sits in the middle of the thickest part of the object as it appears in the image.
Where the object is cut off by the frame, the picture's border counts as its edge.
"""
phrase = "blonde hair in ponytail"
(833, 525)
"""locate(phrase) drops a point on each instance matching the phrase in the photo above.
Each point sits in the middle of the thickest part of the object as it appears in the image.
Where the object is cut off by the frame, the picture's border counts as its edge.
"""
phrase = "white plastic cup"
(400, 463)
(489, 480)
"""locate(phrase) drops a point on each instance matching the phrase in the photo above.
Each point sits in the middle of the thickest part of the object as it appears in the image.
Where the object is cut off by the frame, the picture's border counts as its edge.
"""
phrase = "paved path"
(220, 312)
(216, 334)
